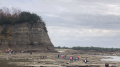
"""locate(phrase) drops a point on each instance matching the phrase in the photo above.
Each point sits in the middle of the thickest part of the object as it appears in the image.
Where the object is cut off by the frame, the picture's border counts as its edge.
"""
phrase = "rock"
(67, 63)
(27, 37)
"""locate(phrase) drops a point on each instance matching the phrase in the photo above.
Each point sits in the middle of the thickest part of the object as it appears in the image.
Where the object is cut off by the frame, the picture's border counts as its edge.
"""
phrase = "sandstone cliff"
(26, 36)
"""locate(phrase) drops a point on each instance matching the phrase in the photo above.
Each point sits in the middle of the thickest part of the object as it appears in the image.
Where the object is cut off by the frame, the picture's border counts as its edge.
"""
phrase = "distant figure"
(6, 51)
(31, 53)
(106, 64)
(58, 56)
(43, 56)
(78, 57)
(40, 57)
(70, 59)
(21, 51)
(10, 52)
(65, 56)
(85, 61)
(24, 51)
(75, 59)
(62, 56)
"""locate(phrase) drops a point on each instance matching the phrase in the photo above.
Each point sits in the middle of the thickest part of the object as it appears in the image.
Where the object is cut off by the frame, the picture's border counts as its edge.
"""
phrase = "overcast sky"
(76, 22)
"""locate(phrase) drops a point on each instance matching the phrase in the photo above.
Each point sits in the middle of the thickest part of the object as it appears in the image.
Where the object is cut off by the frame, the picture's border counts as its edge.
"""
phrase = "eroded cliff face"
(27, 36)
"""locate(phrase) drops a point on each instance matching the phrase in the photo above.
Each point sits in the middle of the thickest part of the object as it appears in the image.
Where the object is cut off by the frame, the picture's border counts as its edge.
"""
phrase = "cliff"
(26, 36)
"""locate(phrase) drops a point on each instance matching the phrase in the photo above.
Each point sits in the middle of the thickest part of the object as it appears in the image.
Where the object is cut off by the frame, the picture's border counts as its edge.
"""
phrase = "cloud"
(88, 37)
(76, 22)
(77, 32)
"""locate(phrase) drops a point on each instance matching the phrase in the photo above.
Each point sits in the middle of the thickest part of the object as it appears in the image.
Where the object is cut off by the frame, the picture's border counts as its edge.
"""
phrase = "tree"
(14, 16)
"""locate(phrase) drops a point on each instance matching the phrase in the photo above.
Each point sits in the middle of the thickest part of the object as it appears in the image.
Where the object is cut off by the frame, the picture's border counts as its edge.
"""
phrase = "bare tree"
(15, 12)
(6, 11)
(1, 11)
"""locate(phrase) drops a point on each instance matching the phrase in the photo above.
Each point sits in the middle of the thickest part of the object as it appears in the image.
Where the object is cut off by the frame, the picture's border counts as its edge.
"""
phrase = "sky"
(76, 22)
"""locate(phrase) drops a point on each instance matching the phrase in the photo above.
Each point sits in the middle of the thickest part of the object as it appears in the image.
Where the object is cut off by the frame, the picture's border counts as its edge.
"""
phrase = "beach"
(51, 59)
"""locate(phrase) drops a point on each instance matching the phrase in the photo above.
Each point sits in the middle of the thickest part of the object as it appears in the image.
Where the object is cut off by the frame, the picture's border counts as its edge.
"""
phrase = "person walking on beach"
(106, 64)
(40, 57)
(75, 59)
(10, 52)
(43, 56)
(70, 59)
(78, 57)
(85, 61)
(6, 51)
(65, 56)
(58, 56)
(31, 53)
(62, 56)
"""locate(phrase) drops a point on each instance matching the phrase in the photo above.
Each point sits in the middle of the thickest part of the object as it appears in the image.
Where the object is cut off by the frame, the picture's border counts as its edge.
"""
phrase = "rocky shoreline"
(52, 60)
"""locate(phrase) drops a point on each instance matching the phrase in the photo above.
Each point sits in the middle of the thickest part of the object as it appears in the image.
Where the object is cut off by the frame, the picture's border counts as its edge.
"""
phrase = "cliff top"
(15, 16)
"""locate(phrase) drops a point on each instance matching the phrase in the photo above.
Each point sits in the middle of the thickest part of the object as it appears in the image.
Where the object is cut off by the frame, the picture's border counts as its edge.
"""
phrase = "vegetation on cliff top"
(13, 16)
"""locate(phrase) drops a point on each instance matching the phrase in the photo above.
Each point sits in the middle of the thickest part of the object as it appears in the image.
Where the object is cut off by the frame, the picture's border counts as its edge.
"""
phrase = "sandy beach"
(51, 59)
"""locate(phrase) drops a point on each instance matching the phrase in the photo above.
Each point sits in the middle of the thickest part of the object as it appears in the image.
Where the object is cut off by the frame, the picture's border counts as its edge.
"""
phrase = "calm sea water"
(114, 58)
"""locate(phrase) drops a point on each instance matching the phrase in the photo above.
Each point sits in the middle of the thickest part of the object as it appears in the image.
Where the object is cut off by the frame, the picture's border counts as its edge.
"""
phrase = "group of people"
(9, 51)
(59, 55)
(24, 51)
(14, 52)
(71, 58)
(65, 57)
(43, 57)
